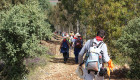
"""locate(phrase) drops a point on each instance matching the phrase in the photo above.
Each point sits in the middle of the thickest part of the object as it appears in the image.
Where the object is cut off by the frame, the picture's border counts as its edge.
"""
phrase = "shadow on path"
(118, 74)
(70, 61)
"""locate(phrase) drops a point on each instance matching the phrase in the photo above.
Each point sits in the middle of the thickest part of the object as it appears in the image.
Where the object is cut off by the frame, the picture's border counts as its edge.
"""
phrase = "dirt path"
(57, 70)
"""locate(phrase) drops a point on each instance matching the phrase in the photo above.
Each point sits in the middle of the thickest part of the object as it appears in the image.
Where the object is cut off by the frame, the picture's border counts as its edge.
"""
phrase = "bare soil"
(57, 70)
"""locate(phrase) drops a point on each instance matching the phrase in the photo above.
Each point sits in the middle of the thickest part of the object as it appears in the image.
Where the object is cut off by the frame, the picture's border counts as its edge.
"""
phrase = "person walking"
(78, 43)
(64, 48)
(71, 38)
(94, 68)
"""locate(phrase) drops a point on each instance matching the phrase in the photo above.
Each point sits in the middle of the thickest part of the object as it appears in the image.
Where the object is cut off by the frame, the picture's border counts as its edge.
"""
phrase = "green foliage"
(5, 4)
(45, 6)
(109, 15)
(69, 5)
(98, 14)
(21, 29)
(64, 15)
(129, 44)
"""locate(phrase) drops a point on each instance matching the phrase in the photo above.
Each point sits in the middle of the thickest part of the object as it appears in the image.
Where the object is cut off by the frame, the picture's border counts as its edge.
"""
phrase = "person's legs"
(92, 76)
(76, 57)
(98, 77)
(64, 55)
(67, 56)
(88, 76)
(76, 53)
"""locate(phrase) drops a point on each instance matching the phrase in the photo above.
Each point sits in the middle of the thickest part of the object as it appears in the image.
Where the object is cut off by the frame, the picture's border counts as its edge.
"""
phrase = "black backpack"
(78, 43)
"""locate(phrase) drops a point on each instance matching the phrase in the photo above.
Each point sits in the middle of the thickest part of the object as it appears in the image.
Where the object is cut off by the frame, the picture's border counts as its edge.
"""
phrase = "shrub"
(129, 44)
(21, 29)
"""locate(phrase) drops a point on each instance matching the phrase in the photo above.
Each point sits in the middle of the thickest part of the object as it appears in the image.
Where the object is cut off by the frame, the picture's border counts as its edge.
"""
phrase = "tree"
(5, 4)
(129, 43)
(92, 15)
(45, 6)
(21, 29)
(109, 15)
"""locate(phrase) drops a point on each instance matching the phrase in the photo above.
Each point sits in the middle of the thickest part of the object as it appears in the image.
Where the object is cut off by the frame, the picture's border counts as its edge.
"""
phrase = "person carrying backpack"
(96, 55)
(64, 48)
(78, 43)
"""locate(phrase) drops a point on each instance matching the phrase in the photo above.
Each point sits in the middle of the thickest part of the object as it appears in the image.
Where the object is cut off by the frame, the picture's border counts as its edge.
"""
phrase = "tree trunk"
(13, 2)
(72, 28)
(69, 28)
(77, 26)
(63, 29)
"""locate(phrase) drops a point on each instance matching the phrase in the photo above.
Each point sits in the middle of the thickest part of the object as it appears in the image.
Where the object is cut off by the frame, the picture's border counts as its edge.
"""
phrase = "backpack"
(94, 57)
(65, 47)
(78, 43)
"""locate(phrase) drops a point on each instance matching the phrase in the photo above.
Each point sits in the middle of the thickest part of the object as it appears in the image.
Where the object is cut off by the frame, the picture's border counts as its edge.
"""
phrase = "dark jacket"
(65, 46)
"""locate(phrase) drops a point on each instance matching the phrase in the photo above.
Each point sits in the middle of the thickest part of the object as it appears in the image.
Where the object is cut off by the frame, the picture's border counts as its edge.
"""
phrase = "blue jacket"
(65, 47)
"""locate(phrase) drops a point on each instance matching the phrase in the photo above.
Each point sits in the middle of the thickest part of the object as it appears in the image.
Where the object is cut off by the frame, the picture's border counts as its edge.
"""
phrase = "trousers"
(66, 56)
(76, 53)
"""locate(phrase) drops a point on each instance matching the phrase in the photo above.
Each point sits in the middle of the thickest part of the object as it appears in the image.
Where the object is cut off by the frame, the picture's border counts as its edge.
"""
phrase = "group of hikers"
(95, 51)
(72, 41)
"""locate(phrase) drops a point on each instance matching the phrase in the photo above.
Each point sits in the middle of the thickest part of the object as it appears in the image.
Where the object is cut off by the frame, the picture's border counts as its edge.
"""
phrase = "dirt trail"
(57, 70)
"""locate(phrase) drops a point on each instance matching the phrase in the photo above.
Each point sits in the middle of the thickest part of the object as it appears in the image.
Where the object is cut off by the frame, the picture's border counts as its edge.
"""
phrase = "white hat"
(67, 35)
(77, 34)
(79, 71)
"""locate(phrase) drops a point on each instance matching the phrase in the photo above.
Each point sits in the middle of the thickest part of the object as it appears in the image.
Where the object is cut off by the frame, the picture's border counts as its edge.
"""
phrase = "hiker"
(71, 33)
(64, 48)
(78, 43)
(96, 55)
(63, 34)
(68, 39)
(71, 38)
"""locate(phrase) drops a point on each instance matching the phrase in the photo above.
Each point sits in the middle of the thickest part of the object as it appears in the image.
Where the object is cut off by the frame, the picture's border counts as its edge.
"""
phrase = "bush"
(129, 44)
(21, 29)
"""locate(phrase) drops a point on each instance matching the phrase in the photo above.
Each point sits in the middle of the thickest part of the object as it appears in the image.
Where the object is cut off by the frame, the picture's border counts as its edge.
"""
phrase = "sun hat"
(77, 34)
